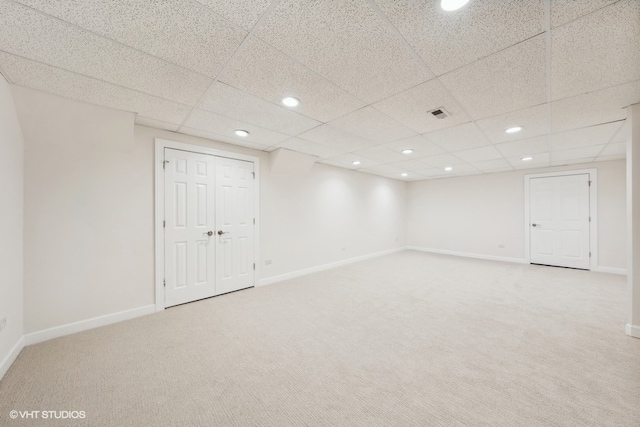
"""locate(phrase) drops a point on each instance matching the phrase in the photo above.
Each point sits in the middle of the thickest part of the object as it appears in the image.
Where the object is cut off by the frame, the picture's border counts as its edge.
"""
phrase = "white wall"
(476, 214)
(11, 225)
(89, 211)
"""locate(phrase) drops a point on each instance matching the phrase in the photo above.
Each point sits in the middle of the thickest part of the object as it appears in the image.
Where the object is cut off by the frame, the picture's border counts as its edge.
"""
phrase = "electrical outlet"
(3, 323)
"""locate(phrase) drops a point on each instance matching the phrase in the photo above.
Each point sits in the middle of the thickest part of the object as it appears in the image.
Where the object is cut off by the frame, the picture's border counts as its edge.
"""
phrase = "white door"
(559, 220)
(235, 225)
(189, 182)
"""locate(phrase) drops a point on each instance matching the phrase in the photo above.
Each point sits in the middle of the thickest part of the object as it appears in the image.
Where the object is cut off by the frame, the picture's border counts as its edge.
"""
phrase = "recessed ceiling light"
(405, 174)
(450, 5)
(355, 162)
(448, 168)
(290, 101)
(242, 133)
(514, 129)
(526, 159)
(407, 151)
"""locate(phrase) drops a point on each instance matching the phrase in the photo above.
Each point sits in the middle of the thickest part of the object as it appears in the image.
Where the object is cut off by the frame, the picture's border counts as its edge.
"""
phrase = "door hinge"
(589, 219)
(254, 221)
(589, 254)
(164, 283)
(589, 183)
(254, 175)
(164, 164)
(254, 265)
(164, 224)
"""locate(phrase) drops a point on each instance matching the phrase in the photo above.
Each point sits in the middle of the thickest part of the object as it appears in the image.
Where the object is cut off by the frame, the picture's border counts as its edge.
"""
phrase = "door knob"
(220, 232)
(209, 233)
(535, 225)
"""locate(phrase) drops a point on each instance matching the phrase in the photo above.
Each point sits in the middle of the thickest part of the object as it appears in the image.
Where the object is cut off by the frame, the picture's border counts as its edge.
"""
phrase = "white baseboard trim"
(632, 330)
(298, 273)
(11, 357)
(610, 270)
(467, 255)
(83, 325)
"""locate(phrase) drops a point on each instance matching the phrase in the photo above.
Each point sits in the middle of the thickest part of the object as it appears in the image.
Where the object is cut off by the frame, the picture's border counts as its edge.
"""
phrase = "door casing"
(593, 211)
(160, 145)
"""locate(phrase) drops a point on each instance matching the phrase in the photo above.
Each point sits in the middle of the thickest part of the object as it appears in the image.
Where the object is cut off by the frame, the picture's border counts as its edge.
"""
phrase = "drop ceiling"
(367, 73)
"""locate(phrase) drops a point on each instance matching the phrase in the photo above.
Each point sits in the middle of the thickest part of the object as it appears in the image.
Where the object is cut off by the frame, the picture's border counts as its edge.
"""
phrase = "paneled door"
(235, 225)
(559, 220)
(208, 227)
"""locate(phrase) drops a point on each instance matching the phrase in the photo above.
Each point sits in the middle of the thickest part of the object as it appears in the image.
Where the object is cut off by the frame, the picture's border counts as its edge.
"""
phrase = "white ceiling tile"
(434, 173)
(533, 120)
(463, 169)
(222, 138)
(308, 147)
(381, 154)
(563, 11)
(593, 108)
(596, 51)
(411, 176)
(412, 165)
(32, 35)
(578, 155)
(539, 160)
(509, 80)
(593, 135)
(336, 138)
(346, 161)
(236, 104)
(615, 149)
(412, 107)
(35, 75)
(611, 157)
(385, 170)
(346, 42)
(158, 124)
(442, 160)
(457, 138)
(495, 165)
(179, 31)
(447, 41)
(220, 125)
(269, 74)
(621, 134)
(369, 123)
(479, 154)
(524, 147)
(419, 144)
(244, 13)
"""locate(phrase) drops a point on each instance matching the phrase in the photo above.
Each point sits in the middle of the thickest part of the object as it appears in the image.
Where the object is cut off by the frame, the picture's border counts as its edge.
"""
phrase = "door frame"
(160, 145)
(593, 211)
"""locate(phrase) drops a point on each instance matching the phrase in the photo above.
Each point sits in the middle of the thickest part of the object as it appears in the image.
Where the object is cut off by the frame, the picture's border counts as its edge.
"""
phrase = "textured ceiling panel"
(539, 160)
(597, 51)
(594, 135)
(533, 120)
(419, 144)
(346, 42)
(593, 108)
(32, 35)
(381, 154)
(447, 41)
(233, 103)
(244, 13)
(158, 124)
(479, 154)
(222, 138)
(412, 107)
(614, 149)
(271, 75)
(346, 161)
(582, 154)
(220, 125)
(369, 123)
(442, 160)
(495, 165)
(35, 75)
(336, 138)
(179, 31)
(524, 147)
(308, 147)
(384, 170)
(509, 80)
(411, 165)
(458, 138)
(563, 11)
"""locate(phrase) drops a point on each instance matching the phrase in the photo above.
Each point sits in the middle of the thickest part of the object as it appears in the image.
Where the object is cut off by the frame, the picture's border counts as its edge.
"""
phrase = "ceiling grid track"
(422, 63)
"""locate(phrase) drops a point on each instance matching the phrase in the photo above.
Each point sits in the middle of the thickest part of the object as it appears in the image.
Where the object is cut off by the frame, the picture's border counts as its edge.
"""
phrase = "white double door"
(209, 226)
(559, 220)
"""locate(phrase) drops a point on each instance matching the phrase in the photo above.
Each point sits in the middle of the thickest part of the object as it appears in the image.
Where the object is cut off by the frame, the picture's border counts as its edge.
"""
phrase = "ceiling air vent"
(440, 113)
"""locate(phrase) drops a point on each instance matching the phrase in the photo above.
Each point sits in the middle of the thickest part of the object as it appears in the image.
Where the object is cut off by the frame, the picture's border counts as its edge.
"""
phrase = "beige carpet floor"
(407, 339)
